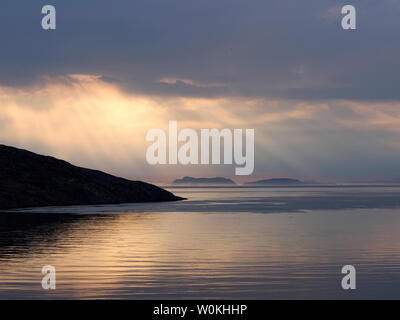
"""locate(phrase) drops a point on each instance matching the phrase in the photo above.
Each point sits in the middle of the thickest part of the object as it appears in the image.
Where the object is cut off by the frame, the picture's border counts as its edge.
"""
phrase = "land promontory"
(28, 179)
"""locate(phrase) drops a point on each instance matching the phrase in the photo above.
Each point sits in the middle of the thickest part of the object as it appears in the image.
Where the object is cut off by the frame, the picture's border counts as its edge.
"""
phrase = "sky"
(323, 101)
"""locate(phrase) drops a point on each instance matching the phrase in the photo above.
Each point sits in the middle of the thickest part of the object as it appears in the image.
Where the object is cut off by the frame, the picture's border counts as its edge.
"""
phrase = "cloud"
(250, 48)
(324, 102)
(94, 123)
(190, 82)
(331, 15)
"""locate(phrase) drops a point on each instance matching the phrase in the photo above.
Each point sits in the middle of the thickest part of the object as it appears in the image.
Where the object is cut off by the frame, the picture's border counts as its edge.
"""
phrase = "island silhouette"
(215, 180)
(281, 181)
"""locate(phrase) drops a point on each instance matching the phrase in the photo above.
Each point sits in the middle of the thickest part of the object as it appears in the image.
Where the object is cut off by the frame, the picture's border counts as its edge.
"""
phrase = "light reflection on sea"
(253, 243)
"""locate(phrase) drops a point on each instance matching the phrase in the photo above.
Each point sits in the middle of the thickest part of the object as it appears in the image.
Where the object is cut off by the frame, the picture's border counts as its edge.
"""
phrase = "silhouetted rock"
(283, 181)
(216, 180)
(31, 180)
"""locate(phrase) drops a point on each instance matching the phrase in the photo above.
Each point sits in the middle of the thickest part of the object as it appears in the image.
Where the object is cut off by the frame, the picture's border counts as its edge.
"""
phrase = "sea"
(236, 242)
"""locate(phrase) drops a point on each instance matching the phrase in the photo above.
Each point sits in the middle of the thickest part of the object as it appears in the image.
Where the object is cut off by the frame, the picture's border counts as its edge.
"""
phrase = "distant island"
(31, 180)
(191, 180)
(282, 181)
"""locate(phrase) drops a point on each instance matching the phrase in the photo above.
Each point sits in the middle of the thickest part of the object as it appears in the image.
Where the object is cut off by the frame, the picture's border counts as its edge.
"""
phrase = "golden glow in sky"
(90, 122)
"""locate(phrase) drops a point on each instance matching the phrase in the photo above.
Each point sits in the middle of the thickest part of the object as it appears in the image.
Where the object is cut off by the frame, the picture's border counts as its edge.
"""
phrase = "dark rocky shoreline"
(28, 179)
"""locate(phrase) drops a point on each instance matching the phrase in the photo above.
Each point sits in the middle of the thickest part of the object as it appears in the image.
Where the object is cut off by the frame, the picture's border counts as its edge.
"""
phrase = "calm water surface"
(248, 243)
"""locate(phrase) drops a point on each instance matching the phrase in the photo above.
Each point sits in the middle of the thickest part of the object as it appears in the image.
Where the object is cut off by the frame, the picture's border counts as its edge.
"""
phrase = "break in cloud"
(93, 123)
(324, 102)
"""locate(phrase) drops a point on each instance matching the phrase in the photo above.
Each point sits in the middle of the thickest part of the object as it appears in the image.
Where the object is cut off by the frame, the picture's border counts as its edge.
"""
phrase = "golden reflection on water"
(200, 255)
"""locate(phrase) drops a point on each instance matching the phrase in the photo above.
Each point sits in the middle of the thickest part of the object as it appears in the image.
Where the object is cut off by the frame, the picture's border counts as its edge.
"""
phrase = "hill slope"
(31, 180)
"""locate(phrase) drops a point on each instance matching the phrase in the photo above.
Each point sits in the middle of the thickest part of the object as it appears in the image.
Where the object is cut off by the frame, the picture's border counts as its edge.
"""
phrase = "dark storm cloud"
(282, 49)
